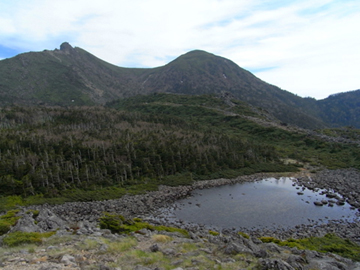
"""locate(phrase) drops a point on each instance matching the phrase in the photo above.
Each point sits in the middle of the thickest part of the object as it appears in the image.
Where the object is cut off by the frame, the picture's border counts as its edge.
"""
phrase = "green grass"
(328, 243)
(8, 220)
(10, 202)
(20, 238)
(213, 233)
(118, 224)
(245, 235)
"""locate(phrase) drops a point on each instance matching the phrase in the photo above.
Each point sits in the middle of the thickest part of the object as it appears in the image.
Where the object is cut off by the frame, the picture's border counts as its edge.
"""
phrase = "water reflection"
(269, 203)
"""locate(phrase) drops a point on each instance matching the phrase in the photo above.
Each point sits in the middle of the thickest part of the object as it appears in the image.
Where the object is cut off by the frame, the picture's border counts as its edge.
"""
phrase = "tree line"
(48, 150)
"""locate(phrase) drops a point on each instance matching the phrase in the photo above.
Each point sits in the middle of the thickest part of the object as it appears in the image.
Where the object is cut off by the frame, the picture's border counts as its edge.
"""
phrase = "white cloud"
(313, 44)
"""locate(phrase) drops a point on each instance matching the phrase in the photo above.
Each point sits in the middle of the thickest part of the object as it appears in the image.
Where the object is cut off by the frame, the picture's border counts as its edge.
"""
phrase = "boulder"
(318, 203)
(154, 248)
(26, 224)
(67, 260)
(48, 221)
(234, 248)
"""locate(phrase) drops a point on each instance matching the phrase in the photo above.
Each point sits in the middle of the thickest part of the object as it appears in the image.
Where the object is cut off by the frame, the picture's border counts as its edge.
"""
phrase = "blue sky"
(307, 47)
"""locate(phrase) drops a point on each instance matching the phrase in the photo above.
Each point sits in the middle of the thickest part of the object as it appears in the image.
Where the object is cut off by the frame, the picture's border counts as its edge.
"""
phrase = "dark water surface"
(269, 203)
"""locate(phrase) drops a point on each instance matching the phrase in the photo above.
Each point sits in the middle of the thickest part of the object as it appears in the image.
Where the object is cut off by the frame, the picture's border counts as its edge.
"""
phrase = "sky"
(308, 47)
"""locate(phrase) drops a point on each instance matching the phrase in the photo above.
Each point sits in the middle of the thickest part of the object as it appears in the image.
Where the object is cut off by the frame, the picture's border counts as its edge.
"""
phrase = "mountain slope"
(199, 72)
(62, 77)
(341, 109)
(72, 76)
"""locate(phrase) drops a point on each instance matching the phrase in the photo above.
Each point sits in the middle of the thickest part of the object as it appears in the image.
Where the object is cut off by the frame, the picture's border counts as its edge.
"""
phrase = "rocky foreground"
(80, 244)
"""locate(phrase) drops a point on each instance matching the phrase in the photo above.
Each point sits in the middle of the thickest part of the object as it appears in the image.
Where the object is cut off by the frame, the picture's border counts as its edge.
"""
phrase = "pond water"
(269, 203)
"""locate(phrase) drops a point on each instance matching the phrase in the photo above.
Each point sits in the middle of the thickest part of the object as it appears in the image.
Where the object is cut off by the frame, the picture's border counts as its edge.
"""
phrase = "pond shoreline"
(346, 182)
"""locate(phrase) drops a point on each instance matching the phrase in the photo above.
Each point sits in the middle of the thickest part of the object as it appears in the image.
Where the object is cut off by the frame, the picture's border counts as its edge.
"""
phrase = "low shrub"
(269, 239)
(19, 238)
(213, 233)
(8, 220)
(118, 224)
(10, 202)
(34, 213)
(245, 235)
(328, 243)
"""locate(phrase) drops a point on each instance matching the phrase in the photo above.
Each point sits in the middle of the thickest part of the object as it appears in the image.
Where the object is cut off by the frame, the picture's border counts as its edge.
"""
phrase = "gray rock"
(97, 234)
(168, 251)
(47, 220)
(140, 267)
(67, 259)
(261, 253)
(234, 248)
(26, 224)
(103, 248)
(154, 248)
(104, 267)
(275, 264)
(323, 265)
(271, 247)
(50, 267)
(296, 261)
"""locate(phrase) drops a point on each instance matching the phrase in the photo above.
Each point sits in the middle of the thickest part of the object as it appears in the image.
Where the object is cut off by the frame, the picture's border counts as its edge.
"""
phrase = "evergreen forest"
(56, 154)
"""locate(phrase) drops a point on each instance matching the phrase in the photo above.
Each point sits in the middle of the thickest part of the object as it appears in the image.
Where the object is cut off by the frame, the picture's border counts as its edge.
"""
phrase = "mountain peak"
(66, 47)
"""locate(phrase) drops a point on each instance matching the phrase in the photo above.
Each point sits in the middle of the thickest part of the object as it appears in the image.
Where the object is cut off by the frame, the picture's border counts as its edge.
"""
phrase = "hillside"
(135, 144)
(342, 109)
(71, 76)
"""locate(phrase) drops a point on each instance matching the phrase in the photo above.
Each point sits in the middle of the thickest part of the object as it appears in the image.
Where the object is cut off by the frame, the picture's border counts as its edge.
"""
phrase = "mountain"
(63, 77)
(72, 76)
(341, 109)
(199, 72)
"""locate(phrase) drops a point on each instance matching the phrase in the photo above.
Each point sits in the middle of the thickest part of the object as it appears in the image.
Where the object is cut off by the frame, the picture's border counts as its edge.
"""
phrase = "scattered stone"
(67, 259)
(104, 267)
(140, 267)
(168, 251)
(103, 248)
(154, 248)
(233, 248)
(278, 264)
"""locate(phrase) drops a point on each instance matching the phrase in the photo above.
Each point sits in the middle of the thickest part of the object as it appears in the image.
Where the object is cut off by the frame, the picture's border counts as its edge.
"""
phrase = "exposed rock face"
(66, 47)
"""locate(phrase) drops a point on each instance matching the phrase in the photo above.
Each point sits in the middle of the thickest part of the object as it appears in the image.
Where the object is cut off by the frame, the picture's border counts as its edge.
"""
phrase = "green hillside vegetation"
(212, 117)
(46, 79)
(74, 77)
(56, 154)
(328, 243)
(341, 109)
